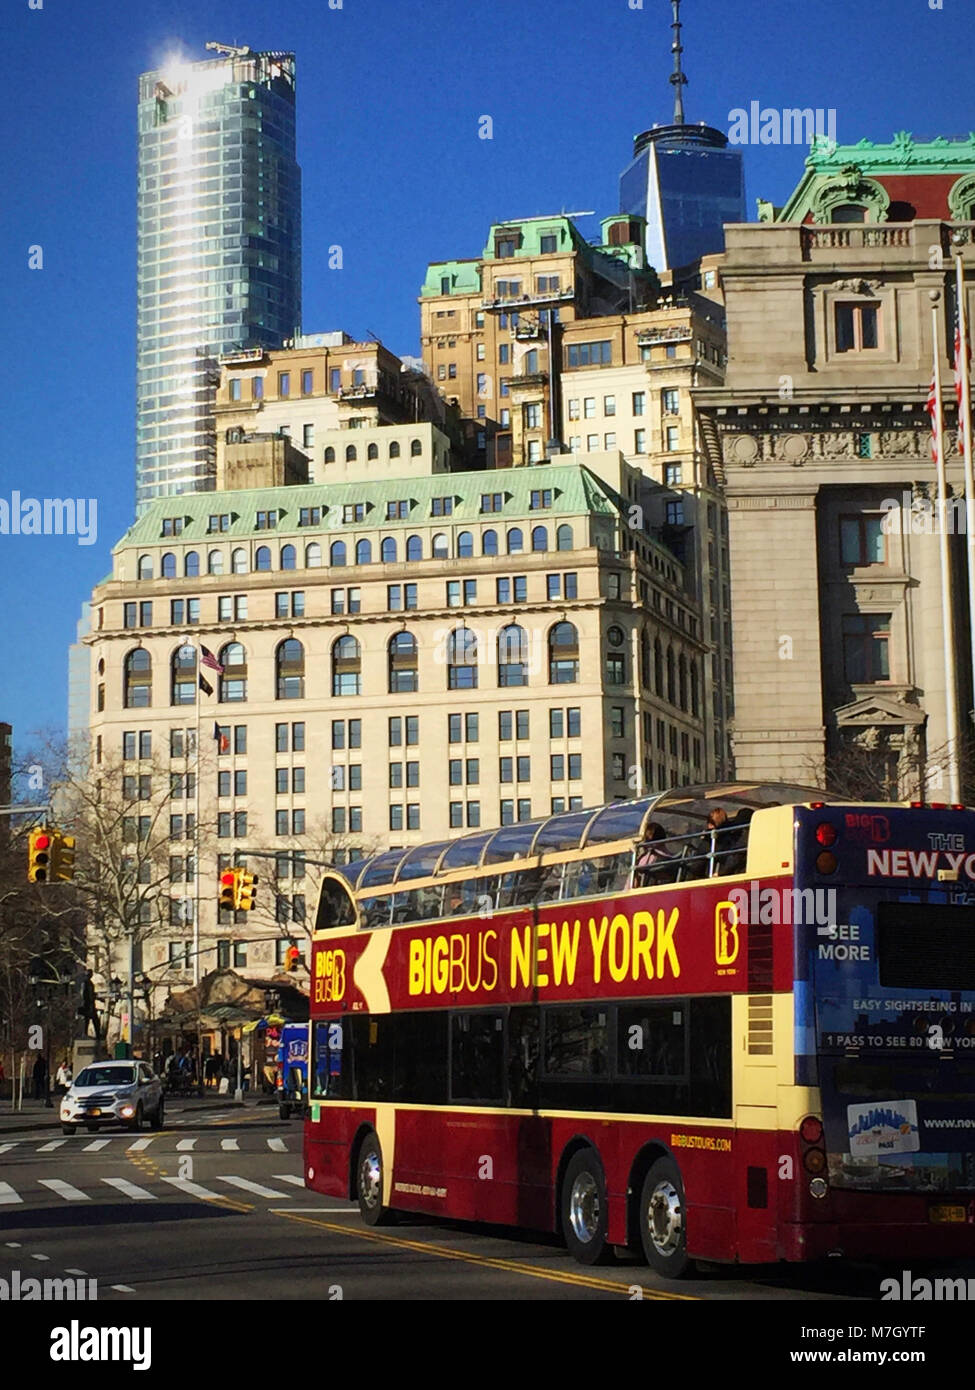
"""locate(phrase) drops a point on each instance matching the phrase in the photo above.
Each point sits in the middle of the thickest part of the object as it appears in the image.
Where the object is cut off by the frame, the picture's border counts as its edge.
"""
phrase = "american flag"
(208, 659)
(931, 406)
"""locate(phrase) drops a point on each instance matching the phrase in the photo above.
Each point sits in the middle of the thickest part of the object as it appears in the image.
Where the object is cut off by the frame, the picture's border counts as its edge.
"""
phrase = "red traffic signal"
(228, 889)
(292, 958)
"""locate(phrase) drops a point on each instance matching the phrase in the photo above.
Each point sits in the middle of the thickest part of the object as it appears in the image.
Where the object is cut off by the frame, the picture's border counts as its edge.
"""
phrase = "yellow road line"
(446, 1252)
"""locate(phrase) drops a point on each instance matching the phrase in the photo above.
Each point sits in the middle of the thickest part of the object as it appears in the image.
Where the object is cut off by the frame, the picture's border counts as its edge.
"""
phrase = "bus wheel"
(585, 1210)
(369, 1182)
(662, 1228)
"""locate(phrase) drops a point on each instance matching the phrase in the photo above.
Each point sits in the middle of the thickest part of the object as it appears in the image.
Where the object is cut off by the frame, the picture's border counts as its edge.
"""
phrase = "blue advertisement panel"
(885, 998)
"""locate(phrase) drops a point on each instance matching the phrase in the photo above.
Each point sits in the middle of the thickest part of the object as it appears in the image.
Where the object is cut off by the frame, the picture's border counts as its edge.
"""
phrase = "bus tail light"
(826, 862)
(811, 1130)
(826, 833)
(814, 1161)
(813, 1148)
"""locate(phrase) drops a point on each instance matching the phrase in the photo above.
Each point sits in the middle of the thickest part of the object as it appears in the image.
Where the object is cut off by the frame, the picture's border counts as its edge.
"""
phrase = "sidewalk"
(35, 1114)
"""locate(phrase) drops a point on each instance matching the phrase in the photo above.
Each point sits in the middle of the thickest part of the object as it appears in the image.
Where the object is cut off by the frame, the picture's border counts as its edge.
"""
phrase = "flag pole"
(947, 606)
(965, 440)
(196, 838)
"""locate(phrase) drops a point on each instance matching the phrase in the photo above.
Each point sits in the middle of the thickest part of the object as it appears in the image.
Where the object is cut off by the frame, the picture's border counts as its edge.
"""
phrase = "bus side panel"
(757, 1188)
(327, 1147)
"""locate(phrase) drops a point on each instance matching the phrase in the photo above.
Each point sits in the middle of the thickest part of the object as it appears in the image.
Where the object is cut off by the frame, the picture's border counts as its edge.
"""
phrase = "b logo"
(726, 939)
(329, 976)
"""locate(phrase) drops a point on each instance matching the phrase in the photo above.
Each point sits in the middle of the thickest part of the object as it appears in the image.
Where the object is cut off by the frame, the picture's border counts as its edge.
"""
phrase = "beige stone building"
(820, 438)
(403, 657)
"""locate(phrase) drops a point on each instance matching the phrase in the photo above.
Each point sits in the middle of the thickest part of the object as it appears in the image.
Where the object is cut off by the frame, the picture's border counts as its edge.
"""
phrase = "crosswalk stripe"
(5, 1147)
(7, 1195)
(129, 1189)
(249, 1186)
(278, 1145)
(96, 1145)
(64, 1189)
(185, 1144)
(139, 1144)
(229, 1144)
(49, 1148)
(192, 1189)
(289, 1177)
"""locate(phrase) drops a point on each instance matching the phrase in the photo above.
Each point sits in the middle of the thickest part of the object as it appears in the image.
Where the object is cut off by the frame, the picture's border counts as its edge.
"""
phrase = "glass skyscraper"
(219, 247)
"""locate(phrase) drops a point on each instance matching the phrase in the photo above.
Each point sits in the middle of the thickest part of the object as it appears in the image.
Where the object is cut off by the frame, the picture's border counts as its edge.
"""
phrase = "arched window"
(330, 455)
(659, 683)
(289, 669)
(416, 448)
(563, 538)
(462, 659)
(393, 449)
(336, 556)
(682, 681)
(465, 545)
(313, 556)
(387, 551)
(489, 542)
(372, 452)
(563, 654)
(262, 560)
(191, 564)
(671, 677)
(849, 212)
(403, 664)
(441, 546)
(233, 682)
(215, 562)
(145, 566)
(516, 541)
(346, 667)
(137, 689)
(414, 548)
(183, 672)
(512, 656)
(239, 562)
(363, 552)
(167, 566)
(350, 453)
(288, 557)
(539, 538)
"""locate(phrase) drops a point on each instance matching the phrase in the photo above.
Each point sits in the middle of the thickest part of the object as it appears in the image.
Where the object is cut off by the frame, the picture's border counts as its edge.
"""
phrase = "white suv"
(113, 1093)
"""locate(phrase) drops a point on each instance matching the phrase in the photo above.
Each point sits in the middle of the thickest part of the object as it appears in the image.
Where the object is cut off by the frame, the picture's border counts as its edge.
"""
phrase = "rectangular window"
(505, 725)
(673, 475)
(639, 402)
(396, 818)
(574, 409)
(307, 382)
(471, 727)
(670, 401)
(617, 721)
(557, 767)
(455, 728)
(145, 614)
(672, 438)
(553, 586)
(394, 598)
(284, 383)
(571, 582)
(338, 820)
(575, 767)
(639, 441)
(609, 405)
(521, 724)
(862, 540)
(556, 723)
(456, 814)
(506, 770)
(598, 354)
(396, 774)
(503, 590)
(308, 436)
(524, 769)
(857, 327)
(520, 588)
(866, 640)
(507, 812)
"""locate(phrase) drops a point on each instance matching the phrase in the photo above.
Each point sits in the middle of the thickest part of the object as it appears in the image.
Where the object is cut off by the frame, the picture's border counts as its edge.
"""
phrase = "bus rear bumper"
(863, 1240)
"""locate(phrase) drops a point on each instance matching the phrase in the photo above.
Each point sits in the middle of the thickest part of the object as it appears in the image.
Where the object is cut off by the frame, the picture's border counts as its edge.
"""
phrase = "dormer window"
(849, 212)
(266, 521)
(442, 506)
(505, 246)
(173, 525)
(354, 511)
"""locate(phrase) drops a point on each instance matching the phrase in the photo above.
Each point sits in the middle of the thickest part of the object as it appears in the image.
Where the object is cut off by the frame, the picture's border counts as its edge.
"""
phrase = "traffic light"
(291, 959)
(64, 847)
(39, 857)
(228, 888)
(246, 890)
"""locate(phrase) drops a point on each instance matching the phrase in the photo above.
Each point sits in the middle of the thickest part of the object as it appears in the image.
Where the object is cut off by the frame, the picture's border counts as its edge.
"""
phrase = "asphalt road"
(213, 1207)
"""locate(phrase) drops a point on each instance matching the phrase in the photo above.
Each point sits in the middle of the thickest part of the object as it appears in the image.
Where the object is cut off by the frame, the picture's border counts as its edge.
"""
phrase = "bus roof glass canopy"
(573, 830)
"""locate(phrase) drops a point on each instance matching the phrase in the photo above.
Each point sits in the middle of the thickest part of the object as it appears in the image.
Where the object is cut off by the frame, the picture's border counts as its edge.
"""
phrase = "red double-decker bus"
(728, 1023)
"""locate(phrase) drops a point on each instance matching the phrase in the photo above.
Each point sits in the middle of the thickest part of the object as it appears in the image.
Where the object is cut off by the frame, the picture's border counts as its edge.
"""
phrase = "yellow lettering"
(427, 965)
(619, 947)
(642, 943)
(565, 950)
(665, 943)
(490, 960)
(439, 967)
(541, 954)
(416, 966)
(456, 983)
(598, 939)
(338, 976)
(520, 956)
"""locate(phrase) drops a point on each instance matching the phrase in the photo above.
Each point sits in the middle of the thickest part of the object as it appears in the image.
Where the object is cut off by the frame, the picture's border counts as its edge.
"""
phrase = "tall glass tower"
(684, 180)
(219, 247)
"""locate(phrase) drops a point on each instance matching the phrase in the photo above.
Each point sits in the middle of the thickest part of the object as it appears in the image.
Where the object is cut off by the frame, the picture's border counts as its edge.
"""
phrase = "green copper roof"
(464, 277)
(575, 491)
(827, 162)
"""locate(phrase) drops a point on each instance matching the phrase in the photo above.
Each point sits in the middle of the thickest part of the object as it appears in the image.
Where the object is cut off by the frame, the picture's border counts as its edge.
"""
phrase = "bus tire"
(369, 1182)
(585, 1208)
(663, 1230)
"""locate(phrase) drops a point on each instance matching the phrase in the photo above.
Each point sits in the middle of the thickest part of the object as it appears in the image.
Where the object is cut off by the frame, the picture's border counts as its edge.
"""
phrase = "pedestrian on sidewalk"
(39, 1074)
(62, 1078)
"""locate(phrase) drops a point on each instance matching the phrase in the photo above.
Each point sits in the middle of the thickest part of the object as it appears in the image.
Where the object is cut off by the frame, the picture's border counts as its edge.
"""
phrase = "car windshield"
(106, 1076)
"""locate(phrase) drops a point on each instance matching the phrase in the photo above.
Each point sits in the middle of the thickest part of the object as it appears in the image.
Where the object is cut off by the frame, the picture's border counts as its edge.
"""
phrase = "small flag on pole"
(222, 739)
(208, 659)
(931, 407)
(205, 686)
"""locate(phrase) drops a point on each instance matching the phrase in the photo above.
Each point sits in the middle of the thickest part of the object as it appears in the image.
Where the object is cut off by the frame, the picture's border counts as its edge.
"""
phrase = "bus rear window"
(926, 946)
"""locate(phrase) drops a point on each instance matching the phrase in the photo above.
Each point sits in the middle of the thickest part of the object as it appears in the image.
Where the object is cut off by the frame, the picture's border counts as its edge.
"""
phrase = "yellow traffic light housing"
(229, 888)
(64, 848)
(246, 890)
(292, 959)
(39, 856)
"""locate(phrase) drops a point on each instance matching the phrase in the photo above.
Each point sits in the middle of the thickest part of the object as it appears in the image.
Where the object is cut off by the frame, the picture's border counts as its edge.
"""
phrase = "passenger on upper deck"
(655, 862)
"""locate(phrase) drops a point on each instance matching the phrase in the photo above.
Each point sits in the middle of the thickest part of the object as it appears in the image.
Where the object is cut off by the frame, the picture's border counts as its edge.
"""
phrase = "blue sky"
(389, 99)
